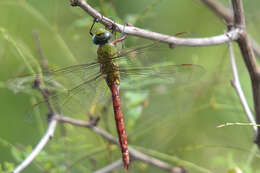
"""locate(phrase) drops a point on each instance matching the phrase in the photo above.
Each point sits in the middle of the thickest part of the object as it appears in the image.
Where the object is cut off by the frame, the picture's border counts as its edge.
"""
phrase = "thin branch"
(49, 132)
(153, 161)
(249, 59)
(131, 30)
(237, 124)
(227, 15)
(48, 135)
(238, 88)
(110, 167)
(239, 18)
(255, 46)
(43, 59)
(220, 10)
(135, 154)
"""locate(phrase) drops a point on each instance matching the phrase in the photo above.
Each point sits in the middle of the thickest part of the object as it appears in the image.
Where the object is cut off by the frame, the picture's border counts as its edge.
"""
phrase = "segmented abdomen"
(120, 124)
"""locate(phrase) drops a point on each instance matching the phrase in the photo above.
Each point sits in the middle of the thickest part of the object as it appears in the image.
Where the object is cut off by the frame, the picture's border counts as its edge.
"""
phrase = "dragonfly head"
(101, 36)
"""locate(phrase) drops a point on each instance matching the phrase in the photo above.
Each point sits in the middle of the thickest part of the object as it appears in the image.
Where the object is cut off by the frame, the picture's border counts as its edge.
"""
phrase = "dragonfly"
(111, 68)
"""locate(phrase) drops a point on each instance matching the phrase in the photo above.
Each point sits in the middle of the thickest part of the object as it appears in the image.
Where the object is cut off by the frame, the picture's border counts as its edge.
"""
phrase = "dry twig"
(236, 84)
(139, 32)
(135, 154)
(110, 167)
(249, 59)
(47, 136)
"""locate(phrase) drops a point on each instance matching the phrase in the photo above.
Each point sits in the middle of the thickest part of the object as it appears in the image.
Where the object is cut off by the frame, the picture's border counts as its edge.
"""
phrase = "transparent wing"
(135, 56)
(69, 77)
(170, 75)
(147, 55)
(78, 102)
(71, 89)
(75, 87)
(57, 79)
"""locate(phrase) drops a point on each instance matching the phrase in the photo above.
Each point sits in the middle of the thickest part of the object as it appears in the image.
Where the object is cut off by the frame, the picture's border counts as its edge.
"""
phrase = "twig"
(131, 30)
(43, 59)
(220, 10)
(48, 135)
(110, 167)
(237, 86)
(249, 59)
(227, 15)
(135, 154)
(153, 161)
(237, 124)
(51, 127)
(239, 18)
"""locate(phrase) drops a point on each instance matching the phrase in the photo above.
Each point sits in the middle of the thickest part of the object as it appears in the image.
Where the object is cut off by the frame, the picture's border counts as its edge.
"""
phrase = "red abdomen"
(120, 124)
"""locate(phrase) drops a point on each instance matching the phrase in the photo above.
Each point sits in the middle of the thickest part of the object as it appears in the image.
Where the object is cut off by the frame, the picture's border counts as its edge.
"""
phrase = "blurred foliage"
(174, 124)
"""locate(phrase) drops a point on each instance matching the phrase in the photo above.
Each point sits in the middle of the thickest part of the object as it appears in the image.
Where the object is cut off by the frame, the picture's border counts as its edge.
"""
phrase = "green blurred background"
(176, 125)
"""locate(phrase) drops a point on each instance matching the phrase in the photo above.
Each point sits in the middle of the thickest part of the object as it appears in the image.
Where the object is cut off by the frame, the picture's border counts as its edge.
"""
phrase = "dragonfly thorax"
(108, 67)
(101, 36)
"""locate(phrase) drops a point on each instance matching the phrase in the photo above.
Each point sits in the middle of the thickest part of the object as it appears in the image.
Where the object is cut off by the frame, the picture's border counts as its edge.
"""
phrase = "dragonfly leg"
(94, 22)
(122, 38)
(113, 28)
(123, 34)
(119, 40)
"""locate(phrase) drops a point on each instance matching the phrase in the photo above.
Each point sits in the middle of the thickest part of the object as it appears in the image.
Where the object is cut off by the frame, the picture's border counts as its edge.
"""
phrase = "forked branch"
(249, 59)
(227, 15)
(236, 84)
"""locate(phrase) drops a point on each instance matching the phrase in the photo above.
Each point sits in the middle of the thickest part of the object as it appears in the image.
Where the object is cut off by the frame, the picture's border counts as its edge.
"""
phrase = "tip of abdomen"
(126, 166)
(126, 160)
